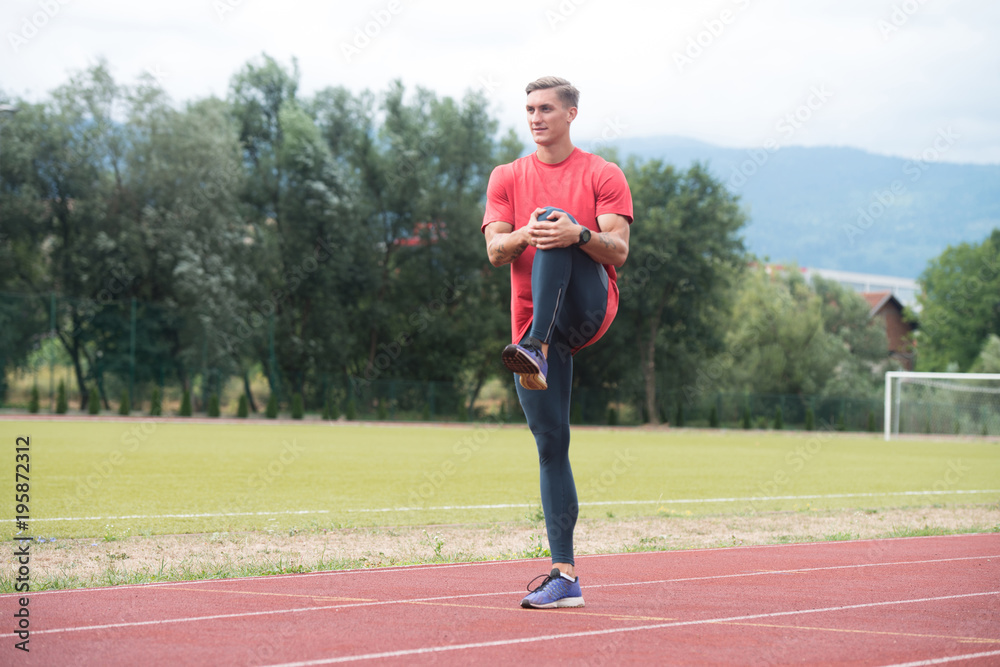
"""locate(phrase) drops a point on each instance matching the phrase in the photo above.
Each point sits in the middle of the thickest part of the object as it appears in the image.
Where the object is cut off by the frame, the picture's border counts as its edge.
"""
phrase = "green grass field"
(138, 477)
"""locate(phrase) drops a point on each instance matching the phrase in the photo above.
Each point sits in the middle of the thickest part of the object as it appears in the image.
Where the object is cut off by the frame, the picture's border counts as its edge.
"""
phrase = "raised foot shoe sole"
(533, 382)
(516, 361)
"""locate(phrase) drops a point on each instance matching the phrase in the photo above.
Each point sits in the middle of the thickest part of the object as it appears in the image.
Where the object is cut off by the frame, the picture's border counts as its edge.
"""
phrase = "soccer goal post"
(942, 403)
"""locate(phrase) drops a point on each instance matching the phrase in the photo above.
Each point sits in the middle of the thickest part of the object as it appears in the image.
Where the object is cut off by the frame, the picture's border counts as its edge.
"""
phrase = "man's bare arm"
(610, 245)
(503, 244)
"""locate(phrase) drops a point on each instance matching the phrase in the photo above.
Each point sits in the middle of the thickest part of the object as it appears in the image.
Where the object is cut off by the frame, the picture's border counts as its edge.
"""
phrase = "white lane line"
(951, 658)
(799, 570)
(675, 501)
(596, 633)
(442, 598)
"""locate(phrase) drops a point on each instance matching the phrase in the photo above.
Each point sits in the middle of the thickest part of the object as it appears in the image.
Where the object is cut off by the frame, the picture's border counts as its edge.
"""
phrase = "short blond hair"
(568, 93)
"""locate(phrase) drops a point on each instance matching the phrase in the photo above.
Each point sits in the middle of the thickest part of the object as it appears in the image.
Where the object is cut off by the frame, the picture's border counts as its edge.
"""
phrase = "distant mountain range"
(842, 208)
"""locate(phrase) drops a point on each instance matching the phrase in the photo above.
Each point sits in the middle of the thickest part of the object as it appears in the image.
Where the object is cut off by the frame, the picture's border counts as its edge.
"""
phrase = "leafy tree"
(155, 403)
(62, 405)
(186, 410)
(306, 237)
(330, 408)
(790, 337)
(859, 339)
(423, 181)
(989, 358)
(66, 153)
(960, 305)
(242, 409)
(118, 211)
(124, 404)
(684, 252)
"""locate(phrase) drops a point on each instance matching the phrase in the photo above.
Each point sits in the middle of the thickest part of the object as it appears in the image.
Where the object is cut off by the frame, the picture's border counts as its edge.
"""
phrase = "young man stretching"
(560, 217)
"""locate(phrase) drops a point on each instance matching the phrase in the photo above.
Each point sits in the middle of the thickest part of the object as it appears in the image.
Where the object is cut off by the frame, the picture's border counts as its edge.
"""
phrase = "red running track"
(913, 601)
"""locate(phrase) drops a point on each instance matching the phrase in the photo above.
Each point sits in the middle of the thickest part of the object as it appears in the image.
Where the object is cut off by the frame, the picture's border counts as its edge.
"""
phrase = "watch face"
(584, 236)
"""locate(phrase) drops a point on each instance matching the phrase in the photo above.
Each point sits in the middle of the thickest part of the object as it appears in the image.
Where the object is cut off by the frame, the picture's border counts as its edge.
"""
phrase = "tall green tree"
(960, 305)
(859, 338)
(22, 316)
(126, 200)
(311, 250)
(421, 164)
(684, 253)
(789, 337)
(989, 358)
(69, 191)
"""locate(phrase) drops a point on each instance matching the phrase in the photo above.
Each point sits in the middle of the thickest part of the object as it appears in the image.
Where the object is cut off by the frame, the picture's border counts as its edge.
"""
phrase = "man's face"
(548, 118)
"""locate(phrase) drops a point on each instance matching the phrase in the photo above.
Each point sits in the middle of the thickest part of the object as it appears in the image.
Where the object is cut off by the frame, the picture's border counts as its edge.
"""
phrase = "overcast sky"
(886, 76)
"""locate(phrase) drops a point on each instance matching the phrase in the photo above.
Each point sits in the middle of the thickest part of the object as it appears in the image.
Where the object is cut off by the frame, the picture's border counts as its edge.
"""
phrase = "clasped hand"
(558, 231)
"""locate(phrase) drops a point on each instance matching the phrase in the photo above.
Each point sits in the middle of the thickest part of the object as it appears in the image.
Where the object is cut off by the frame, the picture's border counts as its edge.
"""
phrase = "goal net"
(942, 403)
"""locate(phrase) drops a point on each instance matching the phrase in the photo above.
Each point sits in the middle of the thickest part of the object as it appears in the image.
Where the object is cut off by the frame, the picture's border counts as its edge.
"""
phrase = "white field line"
(675, 501)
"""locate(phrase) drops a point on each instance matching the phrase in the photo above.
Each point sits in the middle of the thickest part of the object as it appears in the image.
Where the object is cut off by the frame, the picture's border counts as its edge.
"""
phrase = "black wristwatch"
(584, 236)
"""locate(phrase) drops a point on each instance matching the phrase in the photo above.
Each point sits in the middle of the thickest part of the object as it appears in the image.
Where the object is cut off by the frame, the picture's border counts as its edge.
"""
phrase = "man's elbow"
(621, 256)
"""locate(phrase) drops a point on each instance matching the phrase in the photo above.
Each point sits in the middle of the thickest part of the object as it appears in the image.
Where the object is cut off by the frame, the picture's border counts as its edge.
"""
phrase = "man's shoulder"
(600, 167)
(595, 161)
(509, 168)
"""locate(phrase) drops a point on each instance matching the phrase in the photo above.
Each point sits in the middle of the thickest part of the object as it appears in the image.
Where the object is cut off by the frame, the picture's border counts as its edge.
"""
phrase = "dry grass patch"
(140, 559)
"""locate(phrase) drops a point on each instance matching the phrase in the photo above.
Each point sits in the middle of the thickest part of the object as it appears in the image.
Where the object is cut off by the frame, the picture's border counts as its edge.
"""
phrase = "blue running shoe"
(528, 362)
(558, 590)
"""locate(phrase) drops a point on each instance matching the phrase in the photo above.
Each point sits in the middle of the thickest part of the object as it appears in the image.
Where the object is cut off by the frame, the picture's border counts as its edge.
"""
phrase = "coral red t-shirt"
(584, 185)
